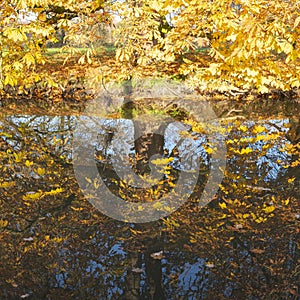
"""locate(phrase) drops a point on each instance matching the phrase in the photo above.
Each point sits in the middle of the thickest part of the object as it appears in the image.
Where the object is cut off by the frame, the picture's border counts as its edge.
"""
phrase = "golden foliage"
(251, 44)
(216, 46)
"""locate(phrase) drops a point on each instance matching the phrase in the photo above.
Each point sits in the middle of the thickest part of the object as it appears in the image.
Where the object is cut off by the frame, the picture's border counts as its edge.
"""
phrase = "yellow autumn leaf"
(223, 205)
(157, 205)
(3, 223)
(209, 150)
(57, 239)
(96, 184)
(41, 171)
(54, 192)
(135, 231)
(88, 180)
(33, 195)
(291, 180)
(243, 128)
(243, 151)
(28, 163)
(170, 183)
(193, 240)
(18, 157)
(162, 161)
(258, 129)
(246, 150)
(259, 220)
(168, 208)
(297, 22)
(286, 202)
(76, 208)
(269, 209)
(214, 68)
(7, 184)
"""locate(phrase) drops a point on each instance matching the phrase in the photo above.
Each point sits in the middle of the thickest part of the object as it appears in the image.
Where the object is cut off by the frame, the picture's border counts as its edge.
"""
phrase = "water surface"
(243, 245)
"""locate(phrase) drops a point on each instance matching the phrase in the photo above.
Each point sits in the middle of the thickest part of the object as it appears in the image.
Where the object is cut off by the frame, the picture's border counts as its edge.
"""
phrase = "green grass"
(55, 52)
(99, 50)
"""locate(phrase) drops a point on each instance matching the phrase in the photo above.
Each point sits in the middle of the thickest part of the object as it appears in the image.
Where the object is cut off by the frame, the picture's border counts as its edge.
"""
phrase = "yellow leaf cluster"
(240, 46)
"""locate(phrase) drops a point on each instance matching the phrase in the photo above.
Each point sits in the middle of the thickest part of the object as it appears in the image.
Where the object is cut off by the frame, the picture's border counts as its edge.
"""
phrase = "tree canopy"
(243, 45)
(26, 28)
(218, 44)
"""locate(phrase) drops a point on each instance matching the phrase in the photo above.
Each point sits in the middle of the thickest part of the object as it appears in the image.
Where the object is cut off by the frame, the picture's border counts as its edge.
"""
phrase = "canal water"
(230, 230)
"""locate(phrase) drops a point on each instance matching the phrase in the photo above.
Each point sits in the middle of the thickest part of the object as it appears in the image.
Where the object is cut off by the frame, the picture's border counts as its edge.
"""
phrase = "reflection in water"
(243, 245)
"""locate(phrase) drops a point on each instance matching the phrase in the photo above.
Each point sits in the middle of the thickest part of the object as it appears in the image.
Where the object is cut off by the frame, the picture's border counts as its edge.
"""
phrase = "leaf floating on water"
(135, 231)
(157, 255)
(137, 270)
(54, 192)
(41, 171)
(210, 265)
(28, 163)
(209, 150)
(76, 208)
(223, 205)
(238, 226)
(243, 128)
(257, 251)
(291, 180)
(286, 202)
(269, 209)
(157, 205)
(259, 129)
(7, 184)
(162, 161)
(3, 223)
(33, 195)
(30, 239)
(88, 180)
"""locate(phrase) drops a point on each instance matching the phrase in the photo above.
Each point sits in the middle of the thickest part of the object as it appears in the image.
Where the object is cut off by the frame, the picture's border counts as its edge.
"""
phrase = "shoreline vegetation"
(72, 86)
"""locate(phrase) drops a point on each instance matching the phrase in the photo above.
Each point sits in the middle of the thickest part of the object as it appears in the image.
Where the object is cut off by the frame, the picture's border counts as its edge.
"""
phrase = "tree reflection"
(243, 245)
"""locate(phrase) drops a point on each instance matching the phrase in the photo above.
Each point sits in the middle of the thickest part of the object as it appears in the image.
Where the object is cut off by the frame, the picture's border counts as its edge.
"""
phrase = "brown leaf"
(257, 251)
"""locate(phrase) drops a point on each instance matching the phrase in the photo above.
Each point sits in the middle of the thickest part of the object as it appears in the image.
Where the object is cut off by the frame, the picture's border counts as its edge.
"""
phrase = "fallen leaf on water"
(210, 265)
(238, 226)
(30, 239)
(257, 251)
(137, 270)
(157, 255)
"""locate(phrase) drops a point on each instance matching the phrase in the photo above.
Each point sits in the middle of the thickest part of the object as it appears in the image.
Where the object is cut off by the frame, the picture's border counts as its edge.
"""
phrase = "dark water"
(244, 244)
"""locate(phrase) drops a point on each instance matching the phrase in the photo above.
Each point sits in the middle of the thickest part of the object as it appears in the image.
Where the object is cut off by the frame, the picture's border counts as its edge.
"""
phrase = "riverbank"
(73, 83)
